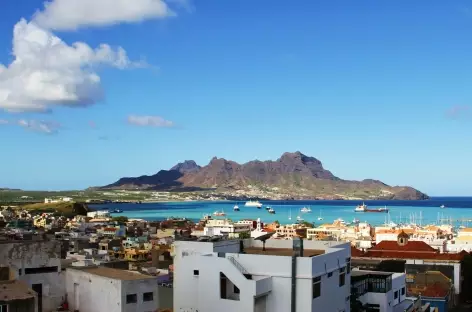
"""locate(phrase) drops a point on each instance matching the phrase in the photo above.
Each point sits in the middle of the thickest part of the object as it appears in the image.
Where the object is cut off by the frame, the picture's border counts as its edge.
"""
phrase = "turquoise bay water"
(425, 212)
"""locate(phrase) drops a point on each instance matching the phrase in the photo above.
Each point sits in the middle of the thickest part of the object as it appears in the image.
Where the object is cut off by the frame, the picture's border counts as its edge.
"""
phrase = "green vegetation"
(244, 235)
(120, 219)
(307, 224)
(67, 209)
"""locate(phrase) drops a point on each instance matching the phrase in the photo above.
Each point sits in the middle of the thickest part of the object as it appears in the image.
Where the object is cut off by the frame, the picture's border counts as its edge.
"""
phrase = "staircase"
(238, 266)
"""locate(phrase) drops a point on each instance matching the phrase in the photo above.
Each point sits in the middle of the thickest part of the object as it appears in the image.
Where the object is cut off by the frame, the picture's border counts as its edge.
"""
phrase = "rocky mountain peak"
(186, 166)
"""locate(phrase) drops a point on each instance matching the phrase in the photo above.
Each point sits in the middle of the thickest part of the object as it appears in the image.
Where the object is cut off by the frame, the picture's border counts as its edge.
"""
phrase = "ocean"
(457, 209)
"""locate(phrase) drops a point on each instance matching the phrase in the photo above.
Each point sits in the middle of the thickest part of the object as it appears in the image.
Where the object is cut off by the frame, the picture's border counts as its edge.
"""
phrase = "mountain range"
(292, 176)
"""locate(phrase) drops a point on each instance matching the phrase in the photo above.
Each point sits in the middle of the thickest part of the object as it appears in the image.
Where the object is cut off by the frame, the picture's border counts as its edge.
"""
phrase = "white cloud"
(46, 127)
(152, 121)
(4, 122)
(46, 72)
(74, 14)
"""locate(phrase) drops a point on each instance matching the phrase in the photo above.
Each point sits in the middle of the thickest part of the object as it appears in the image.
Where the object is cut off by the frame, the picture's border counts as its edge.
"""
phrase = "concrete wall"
(97, 293)
(23, 255)
(201, 292)
(87, 292)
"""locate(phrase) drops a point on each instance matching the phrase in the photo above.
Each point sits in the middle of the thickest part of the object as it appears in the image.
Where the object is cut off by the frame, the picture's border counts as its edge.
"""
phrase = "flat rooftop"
(15, 290)
(281, 251)
(115, 273)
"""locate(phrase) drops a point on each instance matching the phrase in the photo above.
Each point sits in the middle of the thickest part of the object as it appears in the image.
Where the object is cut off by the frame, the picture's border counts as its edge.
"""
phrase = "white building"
(38, 264)
(382, 291)
(99, 214)
(225, 227)
(235, 276)
(101, 289)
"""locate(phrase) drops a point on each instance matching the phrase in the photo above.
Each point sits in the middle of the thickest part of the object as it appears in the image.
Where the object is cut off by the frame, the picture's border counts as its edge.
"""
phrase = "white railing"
(238, 265)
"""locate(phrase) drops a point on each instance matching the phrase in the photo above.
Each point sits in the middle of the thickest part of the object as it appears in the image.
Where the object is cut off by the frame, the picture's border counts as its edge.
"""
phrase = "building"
(291, 231)
(98, 289)
(254, 276)
(381, 291)
(225, 227)
(38, 264)
(100, 214)
(16, 296)
(419, 257)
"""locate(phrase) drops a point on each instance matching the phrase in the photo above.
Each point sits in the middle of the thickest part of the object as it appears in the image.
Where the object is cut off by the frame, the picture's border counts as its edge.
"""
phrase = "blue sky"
(374, 89)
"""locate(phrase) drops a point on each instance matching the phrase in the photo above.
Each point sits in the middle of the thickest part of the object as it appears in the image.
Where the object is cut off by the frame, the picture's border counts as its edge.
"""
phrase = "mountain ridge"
(293, 175)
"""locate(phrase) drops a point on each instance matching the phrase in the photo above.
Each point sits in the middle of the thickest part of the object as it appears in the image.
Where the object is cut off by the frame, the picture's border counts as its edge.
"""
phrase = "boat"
(251, 203)
(305, 210)
(442, 206)
(340, 221)
(116, 211)
(299, 218)
(236, 208)
(361, 208)
(219, 213)
(356, 221)
(320, 217)
(272, 211)
(268, 208)
(290, 214)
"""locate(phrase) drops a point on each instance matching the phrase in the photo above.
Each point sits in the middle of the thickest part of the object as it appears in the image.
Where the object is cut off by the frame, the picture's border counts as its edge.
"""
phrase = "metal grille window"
(342, 279)
(316, 287)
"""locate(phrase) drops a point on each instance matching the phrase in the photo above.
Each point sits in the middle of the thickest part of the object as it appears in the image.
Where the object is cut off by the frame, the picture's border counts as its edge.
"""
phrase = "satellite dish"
(263, 239)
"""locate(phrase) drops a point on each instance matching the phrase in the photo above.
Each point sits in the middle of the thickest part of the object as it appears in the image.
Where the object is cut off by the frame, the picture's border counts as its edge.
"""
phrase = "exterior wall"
(97, 293)
(36, 254)
(440, 304)
(139, 287)
(381, 299)
(87, 292)
(24, 305)
(271, 279)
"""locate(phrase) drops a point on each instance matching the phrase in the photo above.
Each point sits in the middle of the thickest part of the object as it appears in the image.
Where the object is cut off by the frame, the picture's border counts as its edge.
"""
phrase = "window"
(235, 289)
(348, 298)
(131, 298)
(3, 308)
(330, 274)
(395, 295)
(148, 296)
(403, 291)
(316, 287)
(41, 270)
(342, 279)
(196, 272)
(348, 265)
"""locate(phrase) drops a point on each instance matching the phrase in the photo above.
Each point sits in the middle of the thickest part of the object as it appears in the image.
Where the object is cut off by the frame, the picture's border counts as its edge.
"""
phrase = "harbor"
(455, 213)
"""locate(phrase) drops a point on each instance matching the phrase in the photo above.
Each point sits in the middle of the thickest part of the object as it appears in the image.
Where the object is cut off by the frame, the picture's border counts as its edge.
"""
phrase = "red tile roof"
(410, 246)
(356, 252)
(435, 290)
(413, 255)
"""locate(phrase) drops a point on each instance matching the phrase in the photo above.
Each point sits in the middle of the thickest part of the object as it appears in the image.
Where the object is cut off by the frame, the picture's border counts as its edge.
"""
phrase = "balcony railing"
(238, 265)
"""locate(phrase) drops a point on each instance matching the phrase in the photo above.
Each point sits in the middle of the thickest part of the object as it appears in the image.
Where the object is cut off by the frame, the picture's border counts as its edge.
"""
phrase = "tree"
(244, 235)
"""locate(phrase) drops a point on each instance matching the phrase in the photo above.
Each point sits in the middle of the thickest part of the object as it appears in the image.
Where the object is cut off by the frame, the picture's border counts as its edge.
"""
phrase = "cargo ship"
(363, 208)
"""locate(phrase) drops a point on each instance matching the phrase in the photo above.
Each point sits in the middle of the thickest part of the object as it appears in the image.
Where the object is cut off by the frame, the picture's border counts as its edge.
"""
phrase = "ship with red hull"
(363, 208)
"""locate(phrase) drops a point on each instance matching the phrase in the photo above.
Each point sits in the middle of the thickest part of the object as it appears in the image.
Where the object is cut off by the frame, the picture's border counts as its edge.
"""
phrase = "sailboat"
(320, 218)
(290, 214)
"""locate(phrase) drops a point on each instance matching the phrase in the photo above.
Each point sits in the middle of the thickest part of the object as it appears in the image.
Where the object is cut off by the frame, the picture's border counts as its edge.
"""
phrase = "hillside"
(293, 175)
(63, 208)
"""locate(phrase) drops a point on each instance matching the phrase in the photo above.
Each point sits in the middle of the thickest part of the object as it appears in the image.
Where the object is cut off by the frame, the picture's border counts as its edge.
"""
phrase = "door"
(76, 297)
(38, 288)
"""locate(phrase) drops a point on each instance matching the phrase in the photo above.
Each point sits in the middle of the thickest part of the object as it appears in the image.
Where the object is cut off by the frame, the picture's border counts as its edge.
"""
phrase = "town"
(100, 261)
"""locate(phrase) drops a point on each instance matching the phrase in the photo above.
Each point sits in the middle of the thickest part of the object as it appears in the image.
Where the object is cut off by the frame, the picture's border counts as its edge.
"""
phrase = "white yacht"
(340, 221)
(299, 218)
(320, 218)
(442, 206)
(251, 203)
(236, 208)
(272, 211)
(305, 210)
